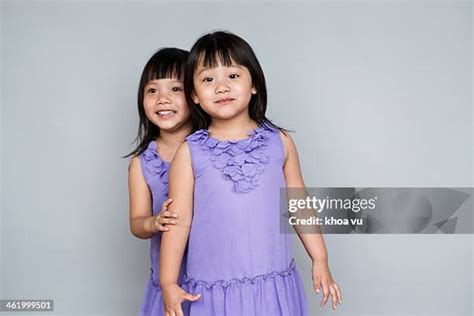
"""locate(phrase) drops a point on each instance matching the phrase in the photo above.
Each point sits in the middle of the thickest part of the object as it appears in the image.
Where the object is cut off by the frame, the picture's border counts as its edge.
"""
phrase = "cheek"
(182, 104)
(207, 107)
(243, 91)
(203, 94)
(148, 105)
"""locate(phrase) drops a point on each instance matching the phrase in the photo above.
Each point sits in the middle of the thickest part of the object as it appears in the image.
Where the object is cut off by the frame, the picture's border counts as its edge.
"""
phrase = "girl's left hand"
(322, 278)
(164, 218)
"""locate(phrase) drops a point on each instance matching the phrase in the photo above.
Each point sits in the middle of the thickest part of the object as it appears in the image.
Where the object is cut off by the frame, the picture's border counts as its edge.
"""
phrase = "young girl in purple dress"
(164, 124)
(225, 183)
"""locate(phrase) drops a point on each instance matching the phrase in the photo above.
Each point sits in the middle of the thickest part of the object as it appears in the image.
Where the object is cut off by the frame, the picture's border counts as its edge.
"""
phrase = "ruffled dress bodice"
(238, 257)
(155, 173)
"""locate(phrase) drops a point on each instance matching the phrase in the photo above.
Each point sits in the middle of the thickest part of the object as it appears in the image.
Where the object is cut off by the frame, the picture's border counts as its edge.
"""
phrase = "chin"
(222, 112)
(171, 126)
(167, 125)
(226, 115)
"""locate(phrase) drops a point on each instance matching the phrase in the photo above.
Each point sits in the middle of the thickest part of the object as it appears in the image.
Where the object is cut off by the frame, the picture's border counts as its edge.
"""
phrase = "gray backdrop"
(378, 93)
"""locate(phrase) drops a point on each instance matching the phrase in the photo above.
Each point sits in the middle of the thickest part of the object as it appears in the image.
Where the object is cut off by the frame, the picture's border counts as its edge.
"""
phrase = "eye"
(207, 79)
(176, 89)
(234, 76)
(151, 90)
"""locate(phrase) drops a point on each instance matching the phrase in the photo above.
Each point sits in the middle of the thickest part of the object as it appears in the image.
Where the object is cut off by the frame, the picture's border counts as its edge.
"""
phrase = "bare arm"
(313, 242)
(173, 242)
(142, 222)
(141, 219)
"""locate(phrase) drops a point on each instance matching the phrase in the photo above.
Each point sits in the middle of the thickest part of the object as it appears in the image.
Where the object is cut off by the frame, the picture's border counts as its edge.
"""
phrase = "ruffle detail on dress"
(240, 161)
(152, 304)
(226, 284)
(279, 293)
(152, 278)
(155, 166)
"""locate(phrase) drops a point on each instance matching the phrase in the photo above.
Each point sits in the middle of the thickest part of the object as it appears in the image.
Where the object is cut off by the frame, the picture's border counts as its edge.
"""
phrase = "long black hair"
(166, 63)
(227, 48)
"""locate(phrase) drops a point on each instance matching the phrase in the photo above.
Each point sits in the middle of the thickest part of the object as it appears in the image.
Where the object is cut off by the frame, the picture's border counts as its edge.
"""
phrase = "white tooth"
(166, 112)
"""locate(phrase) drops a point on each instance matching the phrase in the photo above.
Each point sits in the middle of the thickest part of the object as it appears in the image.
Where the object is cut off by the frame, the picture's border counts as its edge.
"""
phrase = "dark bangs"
(224, 49)
(168, 63)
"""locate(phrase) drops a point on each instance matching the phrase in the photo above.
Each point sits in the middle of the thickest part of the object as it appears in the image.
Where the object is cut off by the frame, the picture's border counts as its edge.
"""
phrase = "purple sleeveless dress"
(155, 172)
(238, 259)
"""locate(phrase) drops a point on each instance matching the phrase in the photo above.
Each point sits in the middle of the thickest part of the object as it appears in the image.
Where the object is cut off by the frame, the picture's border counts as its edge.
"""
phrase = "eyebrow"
(207, 68)
(154, 81)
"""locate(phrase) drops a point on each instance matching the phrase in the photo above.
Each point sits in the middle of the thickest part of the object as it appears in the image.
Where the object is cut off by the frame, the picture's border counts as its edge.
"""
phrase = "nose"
(222, 87)
(163, 99)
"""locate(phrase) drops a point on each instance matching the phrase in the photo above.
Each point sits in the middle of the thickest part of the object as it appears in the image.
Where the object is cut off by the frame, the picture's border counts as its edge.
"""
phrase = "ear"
(195, 98)
(253, 90)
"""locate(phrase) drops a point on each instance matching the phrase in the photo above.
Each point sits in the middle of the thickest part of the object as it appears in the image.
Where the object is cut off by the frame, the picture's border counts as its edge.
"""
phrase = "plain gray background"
(379, 93)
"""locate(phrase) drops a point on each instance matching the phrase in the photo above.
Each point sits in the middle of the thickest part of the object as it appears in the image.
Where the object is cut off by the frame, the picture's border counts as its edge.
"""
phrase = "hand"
(322, 278)
(173, 296)
(164, 218)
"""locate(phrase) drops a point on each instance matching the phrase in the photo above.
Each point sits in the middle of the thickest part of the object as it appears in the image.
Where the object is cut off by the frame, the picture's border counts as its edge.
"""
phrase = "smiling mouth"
(166, 113)
(225, 101)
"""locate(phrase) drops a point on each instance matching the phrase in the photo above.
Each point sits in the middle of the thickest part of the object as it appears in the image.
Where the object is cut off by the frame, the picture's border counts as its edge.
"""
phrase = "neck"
(174, 138)
(235, 127)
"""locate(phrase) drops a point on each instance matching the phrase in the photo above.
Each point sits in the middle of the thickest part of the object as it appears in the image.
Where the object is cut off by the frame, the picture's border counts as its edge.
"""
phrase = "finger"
(317, 284)
(165, 205)
(339, 294)
(332, 290)
(167, 202)
(157, 220)
(325, 293)
(191, 297)
(169, 214)
(167, 221)
(156, 226)
(163, 228)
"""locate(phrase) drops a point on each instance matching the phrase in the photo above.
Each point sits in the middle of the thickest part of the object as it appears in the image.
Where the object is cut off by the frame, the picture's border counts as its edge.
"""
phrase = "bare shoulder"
(181, 162)
(135, 176)
(182, 154)
(288, 144)
(181, 176)
(134, 165)
(285, 137)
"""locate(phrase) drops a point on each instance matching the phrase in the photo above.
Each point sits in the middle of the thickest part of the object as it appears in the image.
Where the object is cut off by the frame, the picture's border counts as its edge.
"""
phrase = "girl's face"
(165, 104)
(223, 92)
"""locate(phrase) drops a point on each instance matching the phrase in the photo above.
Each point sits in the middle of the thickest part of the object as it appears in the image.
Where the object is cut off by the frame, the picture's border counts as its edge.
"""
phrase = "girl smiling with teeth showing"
(164, 124)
